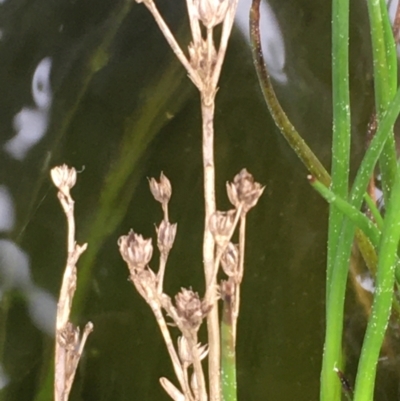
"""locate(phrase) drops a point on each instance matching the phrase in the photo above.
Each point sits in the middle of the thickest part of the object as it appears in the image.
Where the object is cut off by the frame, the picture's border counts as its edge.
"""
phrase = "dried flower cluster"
(188, 310)
(243, 192)
(205, 58)
(203, 64)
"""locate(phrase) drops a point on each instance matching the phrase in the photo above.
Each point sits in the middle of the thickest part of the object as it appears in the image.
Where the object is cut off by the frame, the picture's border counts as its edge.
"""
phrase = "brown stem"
(209, 247)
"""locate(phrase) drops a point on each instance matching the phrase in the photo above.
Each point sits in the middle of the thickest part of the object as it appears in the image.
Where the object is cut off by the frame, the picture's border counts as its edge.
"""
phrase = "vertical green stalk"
(381, 306)
(337, 272)
(385, 82)
(228, 353)
(338, 280)
(341, 119)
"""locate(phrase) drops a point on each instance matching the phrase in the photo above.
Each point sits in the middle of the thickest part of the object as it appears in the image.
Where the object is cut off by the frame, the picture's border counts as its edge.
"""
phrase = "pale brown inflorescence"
(166, 233)
(212, 12)
(244, 191)
(186, 354)
(190, 308)
(230, 260)
(222, 225)
(135, 250)
(161, 190)
(63, 177)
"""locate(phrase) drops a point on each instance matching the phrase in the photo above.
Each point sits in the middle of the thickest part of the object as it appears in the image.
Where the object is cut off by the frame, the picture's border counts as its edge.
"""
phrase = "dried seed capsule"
(185, 353)
(135, 250)
(161, 190)
(166, 233)
(212, 12)
(230, 259)
(64, 178)
(189, 308)
(221, 225)
(244, 191)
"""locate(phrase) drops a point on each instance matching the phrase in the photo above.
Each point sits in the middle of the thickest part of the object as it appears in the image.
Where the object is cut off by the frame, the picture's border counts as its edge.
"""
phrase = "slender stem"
(194, 76)
(358, 218)
(374, 211)
(341, 123)
(385, 82)
(65, 300)
(332, 351)
(198, 369)
(169, 344)
(194, 22)
(217, 259)
(226, 33)
(236, 299)
(66, 360)
(161, 272)
(207, 110)
(228, 355)
(381, 307)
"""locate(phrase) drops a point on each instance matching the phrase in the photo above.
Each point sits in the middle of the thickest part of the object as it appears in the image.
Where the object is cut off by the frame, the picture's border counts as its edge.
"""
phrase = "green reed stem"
(228, 353)
(385, 82)
(376, 215)
(341, 121)
(332, 352)
(381, 306)
(353, 214)
(339, 254)
(337, 272)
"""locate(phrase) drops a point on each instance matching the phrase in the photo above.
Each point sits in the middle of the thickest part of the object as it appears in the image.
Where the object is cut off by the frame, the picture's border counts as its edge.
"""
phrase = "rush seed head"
(161, 190)
(135, 250)
(244, 191)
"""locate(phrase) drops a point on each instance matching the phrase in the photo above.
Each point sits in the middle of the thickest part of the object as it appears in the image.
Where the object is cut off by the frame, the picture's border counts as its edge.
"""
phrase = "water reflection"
(15, 274)
(7, 213)
(31, 122)
(271, 37)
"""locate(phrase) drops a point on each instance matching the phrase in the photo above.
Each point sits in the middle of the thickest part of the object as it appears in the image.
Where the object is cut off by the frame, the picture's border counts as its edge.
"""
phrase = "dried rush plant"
(188, 310)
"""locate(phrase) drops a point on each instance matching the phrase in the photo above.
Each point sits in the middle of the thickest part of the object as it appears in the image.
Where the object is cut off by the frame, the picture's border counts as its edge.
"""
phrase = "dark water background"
(118, 105)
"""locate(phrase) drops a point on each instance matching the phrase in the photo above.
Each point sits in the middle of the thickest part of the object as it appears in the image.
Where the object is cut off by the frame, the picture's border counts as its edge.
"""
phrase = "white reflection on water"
(7, 213)
(3, 377)
(366, 282)
(15, 274)
(31, 122)
(271, 37)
